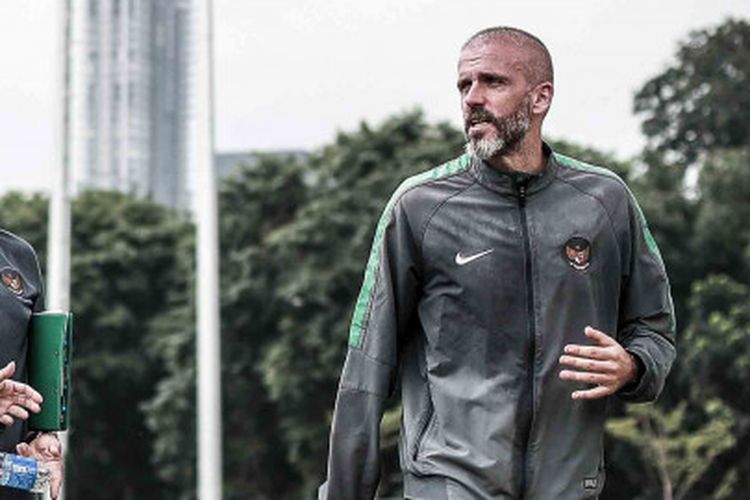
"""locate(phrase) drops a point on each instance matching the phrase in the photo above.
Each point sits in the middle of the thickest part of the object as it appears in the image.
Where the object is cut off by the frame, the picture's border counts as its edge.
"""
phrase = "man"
(511, 292)
(21, 294)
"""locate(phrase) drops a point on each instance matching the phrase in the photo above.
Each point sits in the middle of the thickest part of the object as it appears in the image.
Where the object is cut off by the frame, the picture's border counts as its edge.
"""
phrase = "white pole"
(58, 241)
(208, 357)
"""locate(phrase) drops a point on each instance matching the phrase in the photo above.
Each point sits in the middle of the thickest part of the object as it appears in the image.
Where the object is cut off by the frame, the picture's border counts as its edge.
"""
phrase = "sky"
(291, 73)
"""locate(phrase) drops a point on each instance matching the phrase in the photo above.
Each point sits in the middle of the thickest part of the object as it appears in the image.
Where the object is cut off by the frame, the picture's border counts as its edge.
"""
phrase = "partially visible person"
(21, 294)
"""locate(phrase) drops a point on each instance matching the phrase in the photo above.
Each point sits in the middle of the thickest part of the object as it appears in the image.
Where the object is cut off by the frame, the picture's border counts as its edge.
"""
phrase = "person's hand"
(606, 365)
(16, 398)
(47, 450)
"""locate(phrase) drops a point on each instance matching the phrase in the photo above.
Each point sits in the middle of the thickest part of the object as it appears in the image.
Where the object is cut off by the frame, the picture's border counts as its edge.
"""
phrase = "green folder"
(48, 362)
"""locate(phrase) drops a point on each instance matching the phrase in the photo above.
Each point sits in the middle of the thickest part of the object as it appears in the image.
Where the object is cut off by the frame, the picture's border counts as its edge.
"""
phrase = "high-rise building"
(128, 96)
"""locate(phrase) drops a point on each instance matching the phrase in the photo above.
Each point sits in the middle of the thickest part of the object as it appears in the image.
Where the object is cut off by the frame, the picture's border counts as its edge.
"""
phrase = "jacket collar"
(508, 182)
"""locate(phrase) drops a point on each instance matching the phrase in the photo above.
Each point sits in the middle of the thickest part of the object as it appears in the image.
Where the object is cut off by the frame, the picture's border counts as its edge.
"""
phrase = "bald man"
(510, 293)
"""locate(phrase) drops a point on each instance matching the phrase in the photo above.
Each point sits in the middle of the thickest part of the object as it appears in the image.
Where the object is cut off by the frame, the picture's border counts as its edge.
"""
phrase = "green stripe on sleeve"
(365, 294)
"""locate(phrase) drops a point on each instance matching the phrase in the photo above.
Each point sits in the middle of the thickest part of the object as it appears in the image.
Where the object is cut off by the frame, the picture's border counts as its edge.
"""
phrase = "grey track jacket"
(476, 281)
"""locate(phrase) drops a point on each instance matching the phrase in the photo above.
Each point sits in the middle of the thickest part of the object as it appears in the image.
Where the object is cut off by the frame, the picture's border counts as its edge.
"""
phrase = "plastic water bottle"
(23, 473)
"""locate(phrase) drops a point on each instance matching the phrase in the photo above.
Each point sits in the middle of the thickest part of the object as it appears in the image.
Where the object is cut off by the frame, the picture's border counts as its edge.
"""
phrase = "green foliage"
(699, 103)
(705, 243)
(717, 343)
(680, 455)
(123, 268)
(254, 204)
(26, 216)
(722, 233)
(693, 111)
(170, 412)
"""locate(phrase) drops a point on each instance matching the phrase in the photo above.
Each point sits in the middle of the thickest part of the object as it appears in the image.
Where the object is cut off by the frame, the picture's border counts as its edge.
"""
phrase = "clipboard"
(48, 363)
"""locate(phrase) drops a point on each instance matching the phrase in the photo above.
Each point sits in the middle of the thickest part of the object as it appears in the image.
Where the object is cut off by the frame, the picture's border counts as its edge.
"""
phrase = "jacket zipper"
(521, 185)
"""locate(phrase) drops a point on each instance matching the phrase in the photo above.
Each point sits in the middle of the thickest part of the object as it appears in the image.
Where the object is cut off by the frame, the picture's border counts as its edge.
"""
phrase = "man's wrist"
(637, 369)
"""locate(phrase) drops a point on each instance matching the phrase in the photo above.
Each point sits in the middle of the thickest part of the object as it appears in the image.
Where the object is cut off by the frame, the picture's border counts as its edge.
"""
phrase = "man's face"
(495, 97)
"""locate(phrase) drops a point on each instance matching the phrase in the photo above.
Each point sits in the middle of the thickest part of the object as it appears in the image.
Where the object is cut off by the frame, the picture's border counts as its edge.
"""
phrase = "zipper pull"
(521, 186)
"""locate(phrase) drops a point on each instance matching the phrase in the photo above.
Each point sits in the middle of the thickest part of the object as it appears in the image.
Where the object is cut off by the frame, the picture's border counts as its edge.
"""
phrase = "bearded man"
(511, 293)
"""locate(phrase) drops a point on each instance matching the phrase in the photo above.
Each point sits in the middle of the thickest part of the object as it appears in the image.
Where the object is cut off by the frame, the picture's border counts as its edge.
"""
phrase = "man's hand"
(606, 365)
(46, 449)
(16, 398)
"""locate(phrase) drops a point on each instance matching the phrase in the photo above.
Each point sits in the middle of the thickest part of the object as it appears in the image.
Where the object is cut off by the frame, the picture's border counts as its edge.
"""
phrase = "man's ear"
(541, 98)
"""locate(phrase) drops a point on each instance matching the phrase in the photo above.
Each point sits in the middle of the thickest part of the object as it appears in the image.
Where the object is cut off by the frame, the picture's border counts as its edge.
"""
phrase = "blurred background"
(322, 107)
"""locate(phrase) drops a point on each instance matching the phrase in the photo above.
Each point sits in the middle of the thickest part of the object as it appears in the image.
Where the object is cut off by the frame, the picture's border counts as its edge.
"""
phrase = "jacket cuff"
(642, 388)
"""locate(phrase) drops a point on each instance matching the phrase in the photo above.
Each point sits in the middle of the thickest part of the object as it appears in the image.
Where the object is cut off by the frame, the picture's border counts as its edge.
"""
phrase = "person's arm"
(647, 322)
(381, 318)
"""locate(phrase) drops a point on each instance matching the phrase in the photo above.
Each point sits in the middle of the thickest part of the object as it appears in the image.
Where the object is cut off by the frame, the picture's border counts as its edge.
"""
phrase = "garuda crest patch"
(578, 253)
(12, 280)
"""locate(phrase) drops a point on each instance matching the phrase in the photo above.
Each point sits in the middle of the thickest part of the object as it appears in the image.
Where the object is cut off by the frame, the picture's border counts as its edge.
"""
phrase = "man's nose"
(474, 96)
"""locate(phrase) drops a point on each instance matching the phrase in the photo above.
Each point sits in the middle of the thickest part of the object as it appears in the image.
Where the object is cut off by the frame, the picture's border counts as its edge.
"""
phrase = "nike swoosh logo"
(461, 260)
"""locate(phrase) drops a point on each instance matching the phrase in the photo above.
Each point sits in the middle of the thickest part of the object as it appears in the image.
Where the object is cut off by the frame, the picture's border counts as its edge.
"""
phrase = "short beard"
(510, 130)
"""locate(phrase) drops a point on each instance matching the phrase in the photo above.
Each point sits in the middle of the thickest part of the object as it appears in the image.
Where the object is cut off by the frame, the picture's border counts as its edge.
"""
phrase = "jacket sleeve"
(382, 316)
(646, 322)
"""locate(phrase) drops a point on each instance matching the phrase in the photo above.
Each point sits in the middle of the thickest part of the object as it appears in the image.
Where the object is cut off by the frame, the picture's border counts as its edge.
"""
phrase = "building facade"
(128, 98)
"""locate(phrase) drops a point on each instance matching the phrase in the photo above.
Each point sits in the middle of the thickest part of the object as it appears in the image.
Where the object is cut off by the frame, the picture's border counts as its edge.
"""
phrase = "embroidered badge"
(12, 279)
(578, 252)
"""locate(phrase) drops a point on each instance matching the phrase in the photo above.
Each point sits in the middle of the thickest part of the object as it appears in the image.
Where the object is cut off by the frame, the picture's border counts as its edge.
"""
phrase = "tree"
(698, 104)
(706, 248)
(693, 116)
(26, 216)
(254, 203)
(680, 455)
(717, 343)
(716, 355)
(123, 268)
(721, 232)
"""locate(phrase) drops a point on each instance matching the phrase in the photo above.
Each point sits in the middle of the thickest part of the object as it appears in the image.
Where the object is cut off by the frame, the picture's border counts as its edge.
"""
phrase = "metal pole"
(58, 242)
(208, 357)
